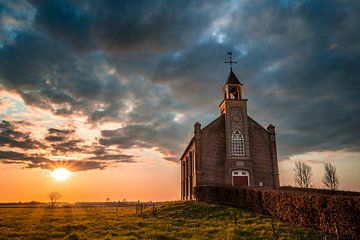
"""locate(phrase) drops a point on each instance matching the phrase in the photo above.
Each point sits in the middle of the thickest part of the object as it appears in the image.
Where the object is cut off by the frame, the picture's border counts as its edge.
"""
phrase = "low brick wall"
(329, 211)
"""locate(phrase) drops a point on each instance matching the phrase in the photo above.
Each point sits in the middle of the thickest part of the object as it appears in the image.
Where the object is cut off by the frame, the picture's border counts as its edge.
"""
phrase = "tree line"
(303, 175)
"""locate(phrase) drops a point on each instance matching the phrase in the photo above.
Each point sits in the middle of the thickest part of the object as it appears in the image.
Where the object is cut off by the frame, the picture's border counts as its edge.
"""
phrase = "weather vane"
(230, 60)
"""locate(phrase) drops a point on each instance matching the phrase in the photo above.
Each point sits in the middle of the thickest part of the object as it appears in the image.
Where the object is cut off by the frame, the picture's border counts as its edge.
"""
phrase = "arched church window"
(238, 147)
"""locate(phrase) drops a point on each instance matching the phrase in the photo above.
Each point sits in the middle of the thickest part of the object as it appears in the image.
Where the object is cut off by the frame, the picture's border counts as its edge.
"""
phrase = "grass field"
(177, 220)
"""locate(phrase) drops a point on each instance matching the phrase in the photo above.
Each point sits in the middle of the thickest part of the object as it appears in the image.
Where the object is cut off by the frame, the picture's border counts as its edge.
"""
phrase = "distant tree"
(54, 197)
(303, 174)
(330, 178)
(107, 200)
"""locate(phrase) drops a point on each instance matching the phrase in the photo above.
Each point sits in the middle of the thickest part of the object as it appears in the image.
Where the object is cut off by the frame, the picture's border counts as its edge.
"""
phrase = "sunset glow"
(99, 100)
(60, 174)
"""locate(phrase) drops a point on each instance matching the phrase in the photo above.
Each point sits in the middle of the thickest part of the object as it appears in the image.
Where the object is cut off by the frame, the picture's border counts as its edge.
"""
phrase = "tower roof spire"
(232, 79)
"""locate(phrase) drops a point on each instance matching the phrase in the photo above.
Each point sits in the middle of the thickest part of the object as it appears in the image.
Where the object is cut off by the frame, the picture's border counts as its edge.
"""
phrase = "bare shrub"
(54, 197)
(330, 178)
(303, 174)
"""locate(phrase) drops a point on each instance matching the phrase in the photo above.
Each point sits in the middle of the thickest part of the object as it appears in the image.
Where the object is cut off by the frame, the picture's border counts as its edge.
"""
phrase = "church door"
(240, 178)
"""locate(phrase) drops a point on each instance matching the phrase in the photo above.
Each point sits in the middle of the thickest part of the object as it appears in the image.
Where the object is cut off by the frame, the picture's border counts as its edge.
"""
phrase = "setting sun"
(60, 174)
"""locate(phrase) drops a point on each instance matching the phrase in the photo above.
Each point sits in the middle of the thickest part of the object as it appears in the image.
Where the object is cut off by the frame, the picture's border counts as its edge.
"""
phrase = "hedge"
(321, 191)
(328, 211)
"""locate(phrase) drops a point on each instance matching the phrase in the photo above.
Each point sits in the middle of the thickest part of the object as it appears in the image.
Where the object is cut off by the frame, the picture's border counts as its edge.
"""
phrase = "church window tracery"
(238, 143)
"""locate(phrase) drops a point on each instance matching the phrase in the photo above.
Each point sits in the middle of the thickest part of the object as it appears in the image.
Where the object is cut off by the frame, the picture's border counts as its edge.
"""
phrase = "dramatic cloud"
(57, 144)
(162, 137)
(72, 165)
(37, 161)
(125, 25)
(8, 156)
(11, 137)
(65, 20)
(63, 141)
(306, 71)
(149, 70)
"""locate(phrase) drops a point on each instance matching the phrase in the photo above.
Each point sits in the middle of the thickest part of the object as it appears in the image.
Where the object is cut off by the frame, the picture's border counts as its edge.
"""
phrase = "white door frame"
(240, 173)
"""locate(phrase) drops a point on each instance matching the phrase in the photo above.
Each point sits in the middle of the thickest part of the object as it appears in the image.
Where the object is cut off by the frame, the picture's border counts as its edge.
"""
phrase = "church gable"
(213, 151)
(216, 125)
(260, 153)
(253, 124)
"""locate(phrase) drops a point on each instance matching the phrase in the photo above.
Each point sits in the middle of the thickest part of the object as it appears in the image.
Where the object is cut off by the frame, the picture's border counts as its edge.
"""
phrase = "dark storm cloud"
(9, 156)
(65, 141)
(15, 16)
(11, 137)
(37, 161)
(58, 135)
(150, 26)
(298, 61)
(125, 25)
(189, 72)
(60, 142)
(306, 73)
(65, 20)
(117, 157)
(52, 77)
(103, 153)
(163, 138)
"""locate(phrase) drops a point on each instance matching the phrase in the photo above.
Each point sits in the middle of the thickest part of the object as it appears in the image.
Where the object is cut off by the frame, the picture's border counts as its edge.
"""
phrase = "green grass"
(177, 220)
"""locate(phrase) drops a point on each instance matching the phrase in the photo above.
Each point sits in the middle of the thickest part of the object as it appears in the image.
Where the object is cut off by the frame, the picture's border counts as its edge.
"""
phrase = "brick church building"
(232, 150)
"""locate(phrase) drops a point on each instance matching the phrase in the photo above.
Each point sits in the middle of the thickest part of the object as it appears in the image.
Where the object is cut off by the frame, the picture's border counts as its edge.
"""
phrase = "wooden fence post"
(336, 231)
(235, 220)
(273, 228)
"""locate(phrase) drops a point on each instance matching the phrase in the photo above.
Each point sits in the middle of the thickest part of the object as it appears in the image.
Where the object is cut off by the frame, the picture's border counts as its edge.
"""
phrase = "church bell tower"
(234, 109)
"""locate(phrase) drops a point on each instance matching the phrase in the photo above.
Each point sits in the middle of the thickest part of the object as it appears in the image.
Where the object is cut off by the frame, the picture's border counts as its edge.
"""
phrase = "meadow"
(173, 220)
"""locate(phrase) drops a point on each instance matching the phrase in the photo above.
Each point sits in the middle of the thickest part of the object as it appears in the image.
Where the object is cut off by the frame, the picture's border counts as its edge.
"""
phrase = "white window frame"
(238, 143)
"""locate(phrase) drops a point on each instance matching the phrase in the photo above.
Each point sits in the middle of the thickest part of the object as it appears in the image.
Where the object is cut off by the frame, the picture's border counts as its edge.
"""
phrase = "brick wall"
(260, 154)
(213, 152)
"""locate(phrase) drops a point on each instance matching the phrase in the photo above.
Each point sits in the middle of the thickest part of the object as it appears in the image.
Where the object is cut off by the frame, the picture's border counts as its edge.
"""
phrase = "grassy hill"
(176, 220)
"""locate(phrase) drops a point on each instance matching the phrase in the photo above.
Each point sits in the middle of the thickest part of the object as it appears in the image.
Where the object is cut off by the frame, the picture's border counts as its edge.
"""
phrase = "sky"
(111, 89)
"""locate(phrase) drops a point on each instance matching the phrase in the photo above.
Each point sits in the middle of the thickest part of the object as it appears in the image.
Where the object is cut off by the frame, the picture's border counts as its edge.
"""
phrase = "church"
(232, 150)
